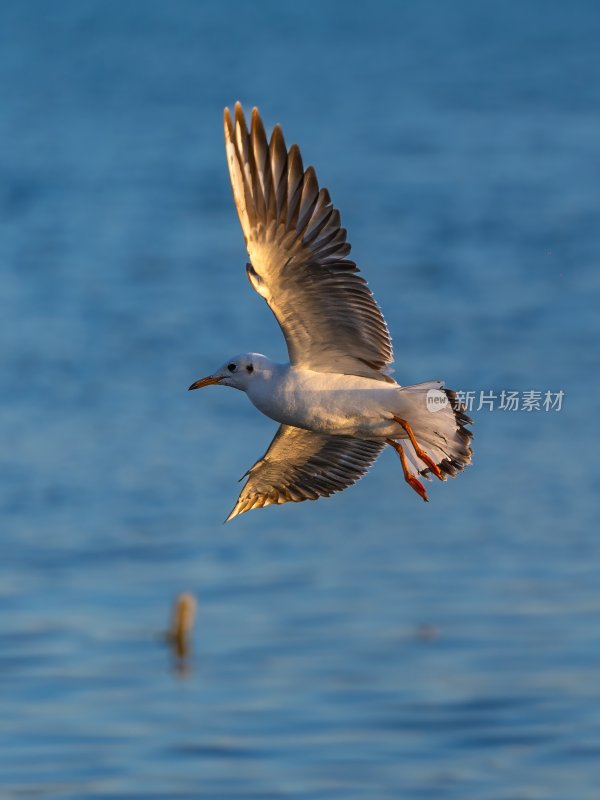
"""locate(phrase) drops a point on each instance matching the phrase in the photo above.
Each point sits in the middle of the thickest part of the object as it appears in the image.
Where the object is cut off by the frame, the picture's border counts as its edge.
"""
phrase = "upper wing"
(298, 251)
(304, 465)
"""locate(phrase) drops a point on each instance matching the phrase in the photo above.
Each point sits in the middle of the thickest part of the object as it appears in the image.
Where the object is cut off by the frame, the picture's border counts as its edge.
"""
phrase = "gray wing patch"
(298, 253)
(304, 465)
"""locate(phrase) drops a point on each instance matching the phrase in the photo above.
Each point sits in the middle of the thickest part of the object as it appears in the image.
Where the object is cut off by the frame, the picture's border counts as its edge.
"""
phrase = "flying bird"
(335, 400)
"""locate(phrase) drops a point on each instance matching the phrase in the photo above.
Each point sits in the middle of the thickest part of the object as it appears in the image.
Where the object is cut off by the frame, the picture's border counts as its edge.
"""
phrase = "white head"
(239, 372)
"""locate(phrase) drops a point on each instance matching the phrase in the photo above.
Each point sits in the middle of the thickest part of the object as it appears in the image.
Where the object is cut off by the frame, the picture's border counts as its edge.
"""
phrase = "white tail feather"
(438, 423)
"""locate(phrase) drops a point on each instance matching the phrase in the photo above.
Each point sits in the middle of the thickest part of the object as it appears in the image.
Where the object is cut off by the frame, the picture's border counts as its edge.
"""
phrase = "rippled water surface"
(367, 646)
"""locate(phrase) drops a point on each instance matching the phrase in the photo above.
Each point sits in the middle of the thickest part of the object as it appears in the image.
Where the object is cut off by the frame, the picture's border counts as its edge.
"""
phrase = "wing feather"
(303, 465)
(298, 253)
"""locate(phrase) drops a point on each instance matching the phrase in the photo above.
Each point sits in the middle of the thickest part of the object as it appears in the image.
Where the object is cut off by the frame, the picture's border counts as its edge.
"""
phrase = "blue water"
(367, 646)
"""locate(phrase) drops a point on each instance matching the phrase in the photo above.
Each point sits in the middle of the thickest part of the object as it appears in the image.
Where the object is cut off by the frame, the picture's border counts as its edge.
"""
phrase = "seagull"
(336, 401)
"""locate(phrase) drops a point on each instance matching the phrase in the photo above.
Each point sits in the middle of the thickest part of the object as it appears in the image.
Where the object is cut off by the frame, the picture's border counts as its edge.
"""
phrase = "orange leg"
(410, 479)
(419, 450)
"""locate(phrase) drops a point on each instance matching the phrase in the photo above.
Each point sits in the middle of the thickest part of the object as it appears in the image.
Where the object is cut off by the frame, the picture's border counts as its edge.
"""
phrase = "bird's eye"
(232, 367)
(250, 368)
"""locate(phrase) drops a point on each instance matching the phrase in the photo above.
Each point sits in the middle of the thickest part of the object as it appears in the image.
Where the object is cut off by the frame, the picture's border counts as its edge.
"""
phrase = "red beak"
(204, 382)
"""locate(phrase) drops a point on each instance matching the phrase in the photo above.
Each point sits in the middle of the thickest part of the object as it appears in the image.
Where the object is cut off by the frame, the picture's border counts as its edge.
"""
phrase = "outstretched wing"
(304, 465)
(298, 250)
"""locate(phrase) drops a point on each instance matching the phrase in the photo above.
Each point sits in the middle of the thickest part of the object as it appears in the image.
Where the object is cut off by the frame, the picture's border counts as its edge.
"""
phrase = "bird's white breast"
(327, 402)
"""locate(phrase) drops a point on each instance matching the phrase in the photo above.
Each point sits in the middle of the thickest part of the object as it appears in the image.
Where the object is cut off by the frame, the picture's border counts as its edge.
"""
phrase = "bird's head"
(239, 372)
